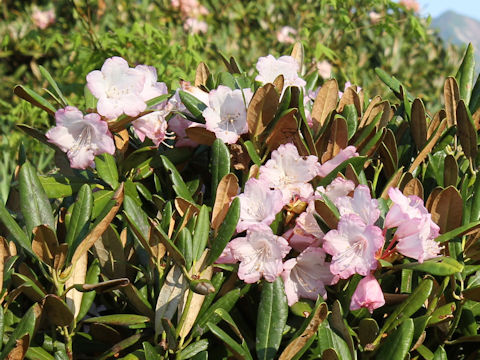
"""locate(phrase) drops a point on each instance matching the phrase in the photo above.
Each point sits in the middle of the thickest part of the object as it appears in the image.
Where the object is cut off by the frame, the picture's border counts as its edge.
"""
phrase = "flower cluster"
(304, 256)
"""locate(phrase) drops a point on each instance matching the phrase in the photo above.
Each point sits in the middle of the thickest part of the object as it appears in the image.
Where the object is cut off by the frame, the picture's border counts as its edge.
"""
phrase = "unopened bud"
(202, 286)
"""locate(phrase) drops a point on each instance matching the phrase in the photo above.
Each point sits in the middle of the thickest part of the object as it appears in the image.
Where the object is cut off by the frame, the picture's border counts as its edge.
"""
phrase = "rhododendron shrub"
(230, 210)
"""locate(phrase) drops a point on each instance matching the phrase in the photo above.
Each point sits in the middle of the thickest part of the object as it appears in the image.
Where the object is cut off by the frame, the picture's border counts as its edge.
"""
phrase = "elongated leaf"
(272, 317)
(14, 229)
(252, 152)
(202, 74)
(238, 351)
(328, 341)
(193, 349)
(463, 230)
(119, 319)
(122, 345)
(91, 277)
(441, 266)
(227, 189)
(466, 73)
(200, 235)
(261, 109)
(220, 164)
(356, 162)
(107, 169)
(419, 124)
(24, 327)
(58, 186)
(466, 131)
(57, 311)
(34, 202)
(79, 221)
(225, 232)
(193, 105)
(325, 103)
(179, 185)
(33, 98)
(398, 344)
(447, 209)
(169, 245)
(54, 85)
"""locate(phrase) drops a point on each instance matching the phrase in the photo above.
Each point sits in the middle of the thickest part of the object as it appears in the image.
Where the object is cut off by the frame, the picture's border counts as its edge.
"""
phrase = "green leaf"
(33, 98)
(91, 277)
(391, 82)
(150, 352)
(466, 73)
(238, 351)
(119, 319)
(19, 237)
(398, 344)
(271, 320)
(407, 308)
(225, 232)
(328, 339)
(193, 105)
(202, 230)
(54, 85)
(440, 354)
(357, 163)
(107, 169)
(220, 164)
(184, 243)
(252, 152)
(24, 327)
(38, 353)
(193, 349)
(125, 343)
(79, 221)
(34, 202)
(2, 325)
(441, 266)
(179, 185)
(90, 100)
(59, 186)
(351, 116)
(460, 231)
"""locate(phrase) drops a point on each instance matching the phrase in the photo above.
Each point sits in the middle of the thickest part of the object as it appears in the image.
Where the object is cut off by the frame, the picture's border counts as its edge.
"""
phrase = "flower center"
(84, 140)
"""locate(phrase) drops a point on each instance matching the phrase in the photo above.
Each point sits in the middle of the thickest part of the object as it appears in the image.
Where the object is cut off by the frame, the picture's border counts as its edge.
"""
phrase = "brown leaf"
(369, 115)
(299, 342)
(77, 276)
(298, 54)
(137, 302)
(226, 190)
(109, 251)
(240, 158)
(279, 83)
(4, 254)
(429, 146)
(285, 131)
(476, 119)
(419, 124)
(98, 230)
(450, 171)
(60, 256)
(351, 174)
(326, 214)
(447, 209)
(44, 243)
(262, 108)
(435, 192)
(389, 166)
(200, 135)
(57, 311)
(121, 141)
(20, 349)
(392, 182)
(183, 205)
(201, 74)
(350, 96)
(413, 187)
(466, 131)
(451, 95)
(337, 138)
(325, 103)
(105, 286)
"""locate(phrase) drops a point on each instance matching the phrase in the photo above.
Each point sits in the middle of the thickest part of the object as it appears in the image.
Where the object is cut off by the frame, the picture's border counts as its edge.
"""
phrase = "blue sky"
(436, 7)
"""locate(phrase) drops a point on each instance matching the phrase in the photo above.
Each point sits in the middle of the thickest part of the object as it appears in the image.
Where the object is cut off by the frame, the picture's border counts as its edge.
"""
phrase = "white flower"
(226, 114)
(270, 68)
(361, 204)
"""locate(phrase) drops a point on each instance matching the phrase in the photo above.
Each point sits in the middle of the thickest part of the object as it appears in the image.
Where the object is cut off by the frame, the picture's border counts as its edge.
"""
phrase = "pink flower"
(361, 204)
(151, 88)
(81, 137)
(153, 126)
(227, 256)
(410, 5)
(374, 17)
(331, 164)
(416, 238)
(324, 68)
(353, 246)
(306, 276)
(403, 209)
(283, 35)
(337, 189)
(270, 68)
(258, 205)
(226, 114)
(368, 294)
(260, 254)
(178, 124)
(189, 8)
(118, 88)
(290, 172)
(195, 26)
(43, 19)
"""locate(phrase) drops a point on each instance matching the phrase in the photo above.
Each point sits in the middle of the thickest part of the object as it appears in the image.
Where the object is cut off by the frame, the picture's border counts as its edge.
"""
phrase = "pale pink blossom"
(152, 126)
(270, 68)
(226, 114)
(118, 88)
(299, 239)
(306, 276)
(286, 35)
(43, 19)
(338, 188)
(324, 69)
(404, 208)
(151, 88)
(374, 17)
(410, 5)
(195, 26)
(360, 204)
(258, 205)
(368, 294)
(227, 256)
(81, 137)
(189, 8)
(353, 246)
(416, 238)
(308, 223)
(288, 171)
(330, 165)
(260, 254)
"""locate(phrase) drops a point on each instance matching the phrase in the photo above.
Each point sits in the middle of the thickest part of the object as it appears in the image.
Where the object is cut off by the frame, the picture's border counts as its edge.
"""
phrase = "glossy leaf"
(79, 221)
(466, 73)
(220, 164)
(178, 184)
(201, 233)
(398, 344)
(441, 266)
(107, 169)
